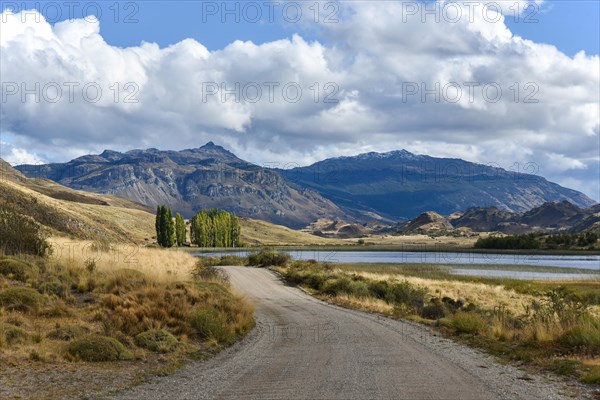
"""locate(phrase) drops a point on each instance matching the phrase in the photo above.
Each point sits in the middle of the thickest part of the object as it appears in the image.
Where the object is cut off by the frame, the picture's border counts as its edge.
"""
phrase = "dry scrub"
(121, 305)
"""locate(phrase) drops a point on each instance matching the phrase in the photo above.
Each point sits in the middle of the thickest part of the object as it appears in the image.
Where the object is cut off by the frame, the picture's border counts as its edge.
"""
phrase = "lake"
(587, 262)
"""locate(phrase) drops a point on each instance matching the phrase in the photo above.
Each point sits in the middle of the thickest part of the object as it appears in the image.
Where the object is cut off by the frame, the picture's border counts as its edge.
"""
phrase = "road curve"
(303, 348)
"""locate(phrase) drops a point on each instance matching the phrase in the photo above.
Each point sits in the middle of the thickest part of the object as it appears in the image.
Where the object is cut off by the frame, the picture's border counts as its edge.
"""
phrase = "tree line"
(208, 228)
(215, 228)
(540, 241)
(169, 232)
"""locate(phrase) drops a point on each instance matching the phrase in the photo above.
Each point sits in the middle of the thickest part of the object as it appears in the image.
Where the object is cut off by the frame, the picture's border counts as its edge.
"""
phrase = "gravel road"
(303, 348)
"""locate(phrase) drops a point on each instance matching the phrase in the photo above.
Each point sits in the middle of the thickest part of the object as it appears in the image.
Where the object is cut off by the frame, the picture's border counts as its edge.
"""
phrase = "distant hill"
(402, 185)
(549, 217)
(368, 188)
(190, 180)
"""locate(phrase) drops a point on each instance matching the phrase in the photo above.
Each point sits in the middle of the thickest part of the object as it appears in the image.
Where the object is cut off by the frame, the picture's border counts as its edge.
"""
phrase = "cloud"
(379, 79)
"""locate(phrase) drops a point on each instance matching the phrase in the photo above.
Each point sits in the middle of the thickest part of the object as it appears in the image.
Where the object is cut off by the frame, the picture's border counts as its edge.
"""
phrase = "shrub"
(467, 322)
(564, 366)
(205, 270)
(232, 260)
(66, 333)
(157, 340)
(379, 289)
(341, 285)
(268, 257)
(21, 234)
(12, 334)
(209, 323)
(15, 269)
(584, 336)
(591, 377)
(99, 348)
(406, 293)
(21, 299)
(54, 287)
(435, 310)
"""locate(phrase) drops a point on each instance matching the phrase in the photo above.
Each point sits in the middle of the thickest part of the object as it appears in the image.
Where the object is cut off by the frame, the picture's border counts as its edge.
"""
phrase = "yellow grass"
(367, 304)
(159, 265)
(417, 241)
(121, 220)
(483, 295)
(262, 233)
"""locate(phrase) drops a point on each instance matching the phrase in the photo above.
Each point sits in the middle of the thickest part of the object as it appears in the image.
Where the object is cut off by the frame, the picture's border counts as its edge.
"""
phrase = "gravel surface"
(303, 348)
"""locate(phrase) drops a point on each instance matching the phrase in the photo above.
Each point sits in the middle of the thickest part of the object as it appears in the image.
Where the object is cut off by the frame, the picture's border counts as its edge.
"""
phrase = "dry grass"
(417, 242)
(160, 265)
(368, 304)
(117, 220)
(117, 292)
(262, 233)
(486, 296)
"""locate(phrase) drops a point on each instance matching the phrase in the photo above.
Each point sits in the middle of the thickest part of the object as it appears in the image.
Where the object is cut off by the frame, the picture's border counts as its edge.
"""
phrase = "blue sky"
(570, 25)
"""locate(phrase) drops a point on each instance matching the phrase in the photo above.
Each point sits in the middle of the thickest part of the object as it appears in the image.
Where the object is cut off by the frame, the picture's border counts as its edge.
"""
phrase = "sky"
(509, 83)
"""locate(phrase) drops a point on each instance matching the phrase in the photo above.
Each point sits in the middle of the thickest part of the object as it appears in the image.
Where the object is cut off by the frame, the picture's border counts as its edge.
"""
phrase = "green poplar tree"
(170, 229)
(179, 230)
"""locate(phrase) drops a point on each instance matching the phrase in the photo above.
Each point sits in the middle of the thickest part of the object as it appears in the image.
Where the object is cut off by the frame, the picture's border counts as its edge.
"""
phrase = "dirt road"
(303, 348)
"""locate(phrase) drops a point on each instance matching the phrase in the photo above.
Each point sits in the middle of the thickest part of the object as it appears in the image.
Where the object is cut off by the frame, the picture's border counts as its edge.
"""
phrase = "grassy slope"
(257, 232)
(75, 213)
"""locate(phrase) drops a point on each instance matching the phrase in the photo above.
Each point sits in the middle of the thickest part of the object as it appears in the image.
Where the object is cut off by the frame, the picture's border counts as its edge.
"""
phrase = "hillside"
(94, 216)
(75, 213)
(188, 180)
(401, 185)
(262, 233)
(549, 217)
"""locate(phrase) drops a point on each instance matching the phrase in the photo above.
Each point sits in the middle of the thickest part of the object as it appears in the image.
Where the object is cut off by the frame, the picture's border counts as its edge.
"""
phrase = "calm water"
(591, 263)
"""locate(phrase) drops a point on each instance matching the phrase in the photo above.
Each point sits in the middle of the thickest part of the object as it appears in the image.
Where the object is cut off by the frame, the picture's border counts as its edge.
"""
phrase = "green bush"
(16, 269)
(409, 294)
(11, 334)
(54, 287)
(99, 348)
(338, 286)
(211, 324)
(468, 322)
(268, 257)
(591, 377)
(157, 340)
(586, 336)
(379, 289)
(21, 299)
(20, 234)
(564, 366)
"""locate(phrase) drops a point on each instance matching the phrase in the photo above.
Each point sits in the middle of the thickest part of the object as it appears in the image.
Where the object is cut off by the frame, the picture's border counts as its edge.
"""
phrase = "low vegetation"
(534, 323)
(538, 241)
(97, 302)
(20, 234)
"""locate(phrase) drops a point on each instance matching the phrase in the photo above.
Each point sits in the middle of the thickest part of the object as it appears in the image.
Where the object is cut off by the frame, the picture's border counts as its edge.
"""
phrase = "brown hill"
(427, 222)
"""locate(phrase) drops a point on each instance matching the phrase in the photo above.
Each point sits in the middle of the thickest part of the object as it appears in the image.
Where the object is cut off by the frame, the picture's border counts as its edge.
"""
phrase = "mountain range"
(550, 217)
(389, 187)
